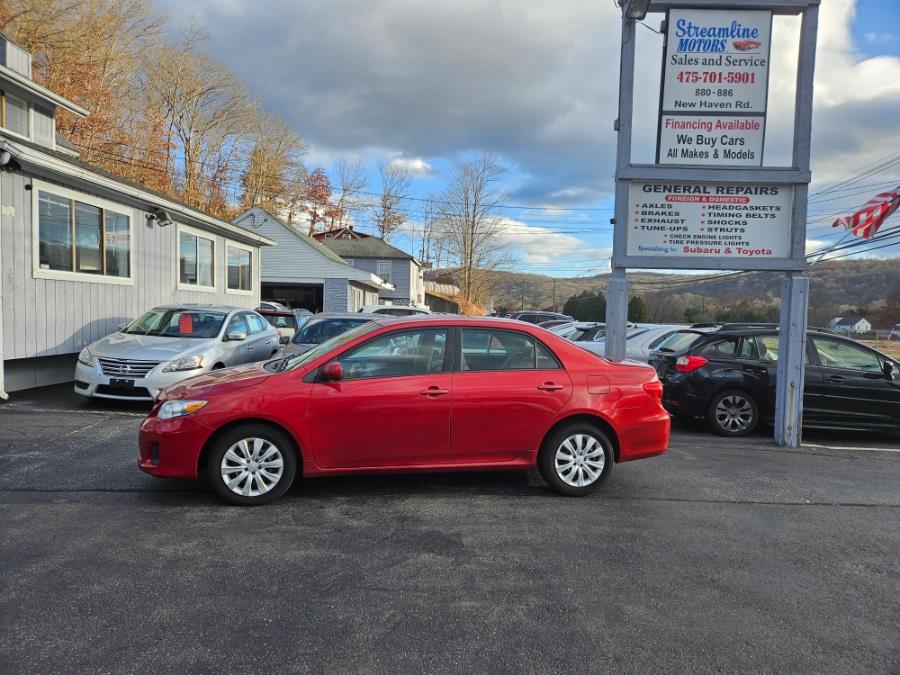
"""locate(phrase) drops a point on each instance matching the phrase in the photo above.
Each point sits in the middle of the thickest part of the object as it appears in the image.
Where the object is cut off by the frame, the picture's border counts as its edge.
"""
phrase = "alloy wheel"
(252, 467)
(579, 460)
(734, 413)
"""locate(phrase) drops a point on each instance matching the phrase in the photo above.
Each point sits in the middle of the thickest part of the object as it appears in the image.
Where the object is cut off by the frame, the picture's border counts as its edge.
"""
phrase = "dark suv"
(727, 375)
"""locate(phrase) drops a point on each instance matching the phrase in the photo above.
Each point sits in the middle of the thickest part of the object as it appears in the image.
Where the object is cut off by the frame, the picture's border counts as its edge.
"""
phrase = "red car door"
(390, 409)
(506, 393)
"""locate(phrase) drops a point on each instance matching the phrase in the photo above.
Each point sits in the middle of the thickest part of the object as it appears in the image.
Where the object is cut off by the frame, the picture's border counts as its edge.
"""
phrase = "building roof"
(346, 232)
(369, 247)
(40, 92)
(77, 171)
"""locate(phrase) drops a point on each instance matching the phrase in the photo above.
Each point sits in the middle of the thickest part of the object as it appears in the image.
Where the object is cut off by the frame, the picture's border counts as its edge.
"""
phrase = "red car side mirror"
(332, 372)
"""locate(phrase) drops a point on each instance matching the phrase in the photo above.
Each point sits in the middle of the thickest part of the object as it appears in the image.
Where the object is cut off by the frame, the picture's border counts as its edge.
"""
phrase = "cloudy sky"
(426, 83)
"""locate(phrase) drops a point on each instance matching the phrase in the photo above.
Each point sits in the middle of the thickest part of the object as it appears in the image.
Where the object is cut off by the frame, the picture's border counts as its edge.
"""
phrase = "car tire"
(252, 464)
(732, 413)
(571, 455)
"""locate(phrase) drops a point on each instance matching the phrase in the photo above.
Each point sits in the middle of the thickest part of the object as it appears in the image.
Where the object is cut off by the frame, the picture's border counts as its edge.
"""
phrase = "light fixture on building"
(161, 217)
(635, 9)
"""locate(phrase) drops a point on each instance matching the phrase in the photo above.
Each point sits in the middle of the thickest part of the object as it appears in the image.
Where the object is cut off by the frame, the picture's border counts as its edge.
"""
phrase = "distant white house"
(850, 324)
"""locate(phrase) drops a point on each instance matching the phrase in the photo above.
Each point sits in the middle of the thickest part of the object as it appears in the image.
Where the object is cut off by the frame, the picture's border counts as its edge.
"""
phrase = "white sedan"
(640, 340)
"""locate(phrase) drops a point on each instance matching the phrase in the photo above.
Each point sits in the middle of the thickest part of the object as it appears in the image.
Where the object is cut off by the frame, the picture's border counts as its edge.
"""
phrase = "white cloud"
(543, 246)
(882, 38)
(535, 82)
(414, 166)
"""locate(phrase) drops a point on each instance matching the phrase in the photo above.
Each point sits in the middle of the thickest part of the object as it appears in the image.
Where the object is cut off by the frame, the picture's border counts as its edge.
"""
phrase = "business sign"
(716, 66)
(714, 220)
(705, 139)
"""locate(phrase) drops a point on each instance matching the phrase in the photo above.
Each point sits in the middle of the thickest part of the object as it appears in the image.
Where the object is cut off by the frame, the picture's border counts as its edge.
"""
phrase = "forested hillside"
(839, 287)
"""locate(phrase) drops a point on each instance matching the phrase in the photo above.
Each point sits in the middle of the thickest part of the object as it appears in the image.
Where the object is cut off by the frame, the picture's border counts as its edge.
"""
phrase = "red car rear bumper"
(643, 435)
(171, 448)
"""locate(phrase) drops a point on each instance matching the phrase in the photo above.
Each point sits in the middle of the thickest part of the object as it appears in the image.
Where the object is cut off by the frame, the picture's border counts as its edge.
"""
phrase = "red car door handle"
(549, 386)
(434, 391)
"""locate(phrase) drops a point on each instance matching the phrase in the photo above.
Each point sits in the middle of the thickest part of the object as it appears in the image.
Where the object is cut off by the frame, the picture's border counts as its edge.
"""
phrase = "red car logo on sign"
(746, 45)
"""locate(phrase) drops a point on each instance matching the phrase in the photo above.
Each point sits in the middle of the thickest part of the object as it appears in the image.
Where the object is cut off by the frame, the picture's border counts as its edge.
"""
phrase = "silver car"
(169, 344)
(640, 340)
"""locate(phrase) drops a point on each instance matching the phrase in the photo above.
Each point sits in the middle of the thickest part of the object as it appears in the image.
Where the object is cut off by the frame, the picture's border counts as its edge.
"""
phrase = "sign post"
(708, 203)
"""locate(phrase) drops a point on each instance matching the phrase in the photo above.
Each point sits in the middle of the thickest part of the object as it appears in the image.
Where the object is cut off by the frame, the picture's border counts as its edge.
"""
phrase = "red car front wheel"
(252, 464)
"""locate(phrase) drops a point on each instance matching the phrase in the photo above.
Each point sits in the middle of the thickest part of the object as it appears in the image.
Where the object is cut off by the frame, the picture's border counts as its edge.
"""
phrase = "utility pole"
(523, 295)
(554, 296)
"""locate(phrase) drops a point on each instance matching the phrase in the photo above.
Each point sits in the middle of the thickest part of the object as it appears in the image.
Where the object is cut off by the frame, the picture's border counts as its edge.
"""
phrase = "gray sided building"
(302, 273)
(375, 255)
(82, 251)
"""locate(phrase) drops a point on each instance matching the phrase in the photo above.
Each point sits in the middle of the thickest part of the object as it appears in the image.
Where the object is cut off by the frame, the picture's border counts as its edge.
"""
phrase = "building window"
(15, 115)
(196, 260)
(384, 270)
(240, 269)
(116, 238)
(77, 236)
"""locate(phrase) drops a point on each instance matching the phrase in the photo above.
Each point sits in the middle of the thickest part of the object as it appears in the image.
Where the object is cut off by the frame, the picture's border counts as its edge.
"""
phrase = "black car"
(727, 375)
(538, 317)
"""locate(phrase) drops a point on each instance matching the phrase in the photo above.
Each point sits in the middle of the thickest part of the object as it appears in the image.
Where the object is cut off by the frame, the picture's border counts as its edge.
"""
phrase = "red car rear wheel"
(575, 459)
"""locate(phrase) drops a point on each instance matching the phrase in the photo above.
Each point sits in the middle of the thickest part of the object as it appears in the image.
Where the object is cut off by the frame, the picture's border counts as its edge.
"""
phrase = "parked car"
(552, 323)
(285, 322)
(302, 316)
(378, 399)
(272, 306)
(577, 330)
(394, 310)
(538, 317)
(895, 332)
(169, 344)
(727, 376)
(640, 340)
(321, 328)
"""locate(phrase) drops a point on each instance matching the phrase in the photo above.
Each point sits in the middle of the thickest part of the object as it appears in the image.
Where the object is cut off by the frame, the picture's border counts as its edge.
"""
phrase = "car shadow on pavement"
(463, 485)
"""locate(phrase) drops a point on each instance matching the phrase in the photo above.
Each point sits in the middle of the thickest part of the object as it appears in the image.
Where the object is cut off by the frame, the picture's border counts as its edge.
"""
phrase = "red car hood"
(218, 382)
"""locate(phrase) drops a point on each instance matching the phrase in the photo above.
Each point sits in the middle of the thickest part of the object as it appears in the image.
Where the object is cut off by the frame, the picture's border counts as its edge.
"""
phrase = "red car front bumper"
(171, 448)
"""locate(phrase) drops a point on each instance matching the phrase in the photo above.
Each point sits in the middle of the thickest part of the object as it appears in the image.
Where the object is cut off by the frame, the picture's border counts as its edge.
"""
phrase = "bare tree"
(207, 109)
(274, 161)
(91, 51)
(352, 181)
(389, 213)
(429, 215)
(473, 230)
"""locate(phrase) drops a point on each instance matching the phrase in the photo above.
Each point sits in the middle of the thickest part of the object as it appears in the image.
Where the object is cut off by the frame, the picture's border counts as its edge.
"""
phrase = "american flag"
(868, 219)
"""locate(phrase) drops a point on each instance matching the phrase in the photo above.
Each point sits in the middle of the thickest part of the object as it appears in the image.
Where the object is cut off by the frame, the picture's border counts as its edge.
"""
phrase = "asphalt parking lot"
(719, 556)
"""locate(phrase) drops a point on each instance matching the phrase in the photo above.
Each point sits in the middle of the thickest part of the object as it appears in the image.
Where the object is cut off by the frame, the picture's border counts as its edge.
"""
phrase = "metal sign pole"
(617, 289)
(689, 208)
(795, 291)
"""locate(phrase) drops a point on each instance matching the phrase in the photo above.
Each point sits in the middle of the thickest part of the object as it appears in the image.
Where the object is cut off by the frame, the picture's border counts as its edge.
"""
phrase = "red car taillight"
(688, 364)
(654, 389)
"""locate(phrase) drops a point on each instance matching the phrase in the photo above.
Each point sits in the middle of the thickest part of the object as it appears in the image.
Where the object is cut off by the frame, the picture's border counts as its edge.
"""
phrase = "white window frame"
(205, 235)
(253, 268)
(61, 275)
(27, 103)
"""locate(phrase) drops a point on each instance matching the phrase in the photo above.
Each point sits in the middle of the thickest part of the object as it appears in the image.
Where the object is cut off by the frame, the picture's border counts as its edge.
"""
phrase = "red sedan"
(412, 394)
